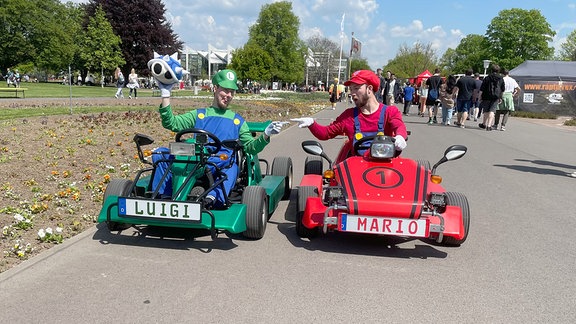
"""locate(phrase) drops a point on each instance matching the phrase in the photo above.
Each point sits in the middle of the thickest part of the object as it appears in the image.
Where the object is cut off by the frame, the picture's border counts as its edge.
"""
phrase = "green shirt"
(187, 120)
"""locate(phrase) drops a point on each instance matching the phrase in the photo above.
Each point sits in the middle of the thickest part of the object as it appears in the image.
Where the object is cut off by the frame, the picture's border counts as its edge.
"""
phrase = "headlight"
(333, 194)
(182, 148)
(382, 150)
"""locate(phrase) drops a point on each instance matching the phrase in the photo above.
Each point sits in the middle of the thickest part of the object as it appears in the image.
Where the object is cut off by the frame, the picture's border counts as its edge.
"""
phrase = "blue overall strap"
(380, 120)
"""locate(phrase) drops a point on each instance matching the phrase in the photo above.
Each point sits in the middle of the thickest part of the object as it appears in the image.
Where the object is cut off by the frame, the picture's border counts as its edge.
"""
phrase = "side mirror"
(452, 153)
(141, 139)
(314, 148)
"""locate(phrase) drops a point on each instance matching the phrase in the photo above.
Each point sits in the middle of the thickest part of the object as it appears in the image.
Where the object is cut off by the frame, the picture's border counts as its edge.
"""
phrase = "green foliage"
(533, 115)
(517, 35)
(101, 47)
(568, 48)
(37, 31)
(276, 33)
(252, 63)
(470, 53)
(359, 64)
(142, 27)
(411, 61)
(570, 122)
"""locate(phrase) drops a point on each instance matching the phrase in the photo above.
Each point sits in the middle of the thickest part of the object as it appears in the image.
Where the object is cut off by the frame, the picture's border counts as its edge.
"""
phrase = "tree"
(411, 61)
(470, 53)
(101, 48)
(568, 48)
(37, 31)
(142, 28)
(358, 64)
(276, 32)
(252, 63)
(517, 35)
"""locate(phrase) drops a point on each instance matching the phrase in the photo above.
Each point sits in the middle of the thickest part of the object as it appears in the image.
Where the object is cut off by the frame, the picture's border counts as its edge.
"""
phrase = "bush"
(534, 115)
(570, 122)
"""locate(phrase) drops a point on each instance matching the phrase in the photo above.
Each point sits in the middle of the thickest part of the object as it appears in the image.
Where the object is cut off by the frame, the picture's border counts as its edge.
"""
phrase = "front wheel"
(458, 199)
(313, 165)
(117, 187)
(256, 202)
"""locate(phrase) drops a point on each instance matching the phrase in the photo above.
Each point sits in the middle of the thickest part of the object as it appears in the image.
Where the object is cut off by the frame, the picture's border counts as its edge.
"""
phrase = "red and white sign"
(385, 225)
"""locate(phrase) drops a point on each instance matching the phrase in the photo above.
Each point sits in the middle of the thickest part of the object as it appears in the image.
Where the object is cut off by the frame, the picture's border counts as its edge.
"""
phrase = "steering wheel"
(361, 144)
(215, 143)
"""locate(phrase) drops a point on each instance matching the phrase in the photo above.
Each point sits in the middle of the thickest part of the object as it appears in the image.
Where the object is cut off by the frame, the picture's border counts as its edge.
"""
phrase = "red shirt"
(344, 124)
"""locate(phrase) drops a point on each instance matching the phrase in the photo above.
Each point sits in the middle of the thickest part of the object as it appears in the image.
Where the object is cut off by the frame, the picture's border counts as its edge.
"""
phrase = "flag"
(342, 23)
(356, 47)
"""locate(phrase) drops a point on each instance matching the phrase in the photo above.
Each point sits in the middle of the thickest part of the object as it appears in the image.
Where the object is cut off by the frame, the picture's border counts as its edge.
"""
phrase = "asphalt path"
(517, 265)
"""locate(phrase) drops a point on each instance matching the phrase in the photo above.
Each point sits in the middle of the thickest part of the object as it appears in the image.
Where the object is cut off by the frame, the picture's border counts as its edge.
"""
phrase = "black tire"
(117, 187)
(458, 199)
(313, 165)
(256, 202)
(282, 166)
(303, 194)
(425, 163)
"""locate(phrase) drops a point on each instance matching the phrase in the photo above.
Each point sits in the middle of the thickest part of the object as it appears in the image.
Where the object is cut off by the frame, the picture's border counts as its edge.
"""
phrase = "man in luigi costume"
(220, 121)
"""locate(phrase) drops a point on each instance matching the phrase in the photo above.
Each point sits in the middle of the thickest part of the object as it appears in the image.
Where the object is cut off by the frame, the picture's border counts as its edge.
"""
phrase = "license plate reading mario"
(385, 225)
(159, 209)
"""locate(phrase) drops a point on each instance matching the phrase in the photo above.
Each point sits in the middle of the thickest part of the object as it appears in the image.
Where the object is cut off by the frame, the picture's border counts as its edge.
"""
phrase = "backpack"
(494, 90)
(433, 92)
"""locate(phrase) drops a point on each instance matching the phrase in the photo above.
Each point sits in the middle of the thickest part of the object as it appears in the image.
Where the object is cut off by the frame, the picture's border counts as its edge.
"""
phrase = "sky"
(382, 26)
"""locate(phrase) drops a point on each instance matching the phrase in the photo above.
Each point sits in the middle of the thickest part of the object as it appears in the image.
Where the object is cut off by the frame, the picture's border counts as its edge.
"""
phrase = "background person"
(119, 83)
(133, 84)
(433, 99)
(490, 95)
(511, 90)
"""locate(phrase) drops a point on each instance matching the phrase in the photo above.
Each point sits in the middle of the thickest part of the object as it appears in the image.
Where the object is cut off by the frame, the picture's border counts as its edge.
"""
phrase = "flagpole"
(350, 57)
(341, 44)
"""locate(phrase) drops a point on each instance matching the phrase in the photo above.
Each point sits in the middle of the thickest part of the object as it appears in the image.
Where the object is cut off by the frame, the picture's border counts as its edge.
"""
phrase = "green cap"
(225, 79)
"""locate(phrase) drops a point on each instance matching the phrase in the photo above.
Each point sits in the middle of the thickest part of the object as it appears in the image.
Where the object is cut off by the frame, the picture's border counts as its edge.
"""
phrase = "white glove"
(165, 89)
(303, 122)
(274, 128)
(399, 143)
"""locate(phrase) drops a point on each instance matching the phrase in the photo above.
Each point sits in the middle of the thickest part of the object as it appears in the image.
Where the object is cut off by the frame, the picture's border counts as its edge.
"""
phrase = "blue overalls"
(225, 129)
(359, 134)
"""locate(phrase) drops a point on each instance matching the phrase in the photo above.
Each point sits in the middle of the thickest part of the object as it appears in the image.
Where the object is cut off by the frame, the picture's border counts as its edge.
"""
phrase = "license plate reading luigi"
(385, 225)
(169, 210)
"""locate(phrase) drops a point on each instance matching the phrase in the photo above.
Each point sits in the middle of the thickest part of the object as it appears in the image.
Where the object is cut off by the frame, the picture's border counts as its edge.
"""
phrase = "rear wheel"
(303, 194)
(458, 199)
(282, 166)
(256, 202)
(117, 187)
(313, 165)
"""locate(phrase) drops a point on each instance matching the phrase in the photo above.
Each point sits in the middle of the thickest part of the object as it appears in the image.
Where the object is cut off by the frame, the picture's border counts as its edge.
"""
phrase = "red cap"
(364, 77)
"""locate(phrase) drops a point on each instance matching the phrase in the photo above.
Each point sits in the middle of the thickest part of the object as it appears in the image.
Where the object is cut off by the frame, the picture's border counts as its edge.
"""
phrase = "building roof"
(547, 69)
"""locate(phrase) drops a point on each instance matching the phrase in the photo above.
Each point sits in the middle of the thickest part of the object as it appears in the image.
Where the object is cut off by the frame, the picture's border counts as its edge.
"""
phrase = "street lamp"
(486, 65)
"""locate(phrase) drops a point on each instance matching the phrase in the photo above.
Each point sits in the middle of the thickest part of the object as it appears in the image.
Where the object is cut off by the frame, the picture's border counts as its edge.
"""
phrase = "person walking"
(476, 97)
(119, 83)
(334, 92)
(423, 95)
(408, 96)
(133, 84)
(448, 93)
(490, 96)
(392, 90)
(506, 106)
(433, 100)
(466, 86)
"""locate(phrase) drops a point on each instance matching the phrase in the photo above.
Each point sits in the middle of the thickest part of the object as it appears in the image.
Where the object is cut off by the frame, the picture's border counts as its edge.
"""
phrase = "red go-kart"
(379, 193)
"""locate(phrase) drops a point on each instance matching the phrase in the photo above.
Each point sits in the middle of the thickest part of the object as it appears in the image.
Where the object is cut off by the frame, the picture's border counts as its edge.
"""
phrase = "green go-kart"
(246, 209)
